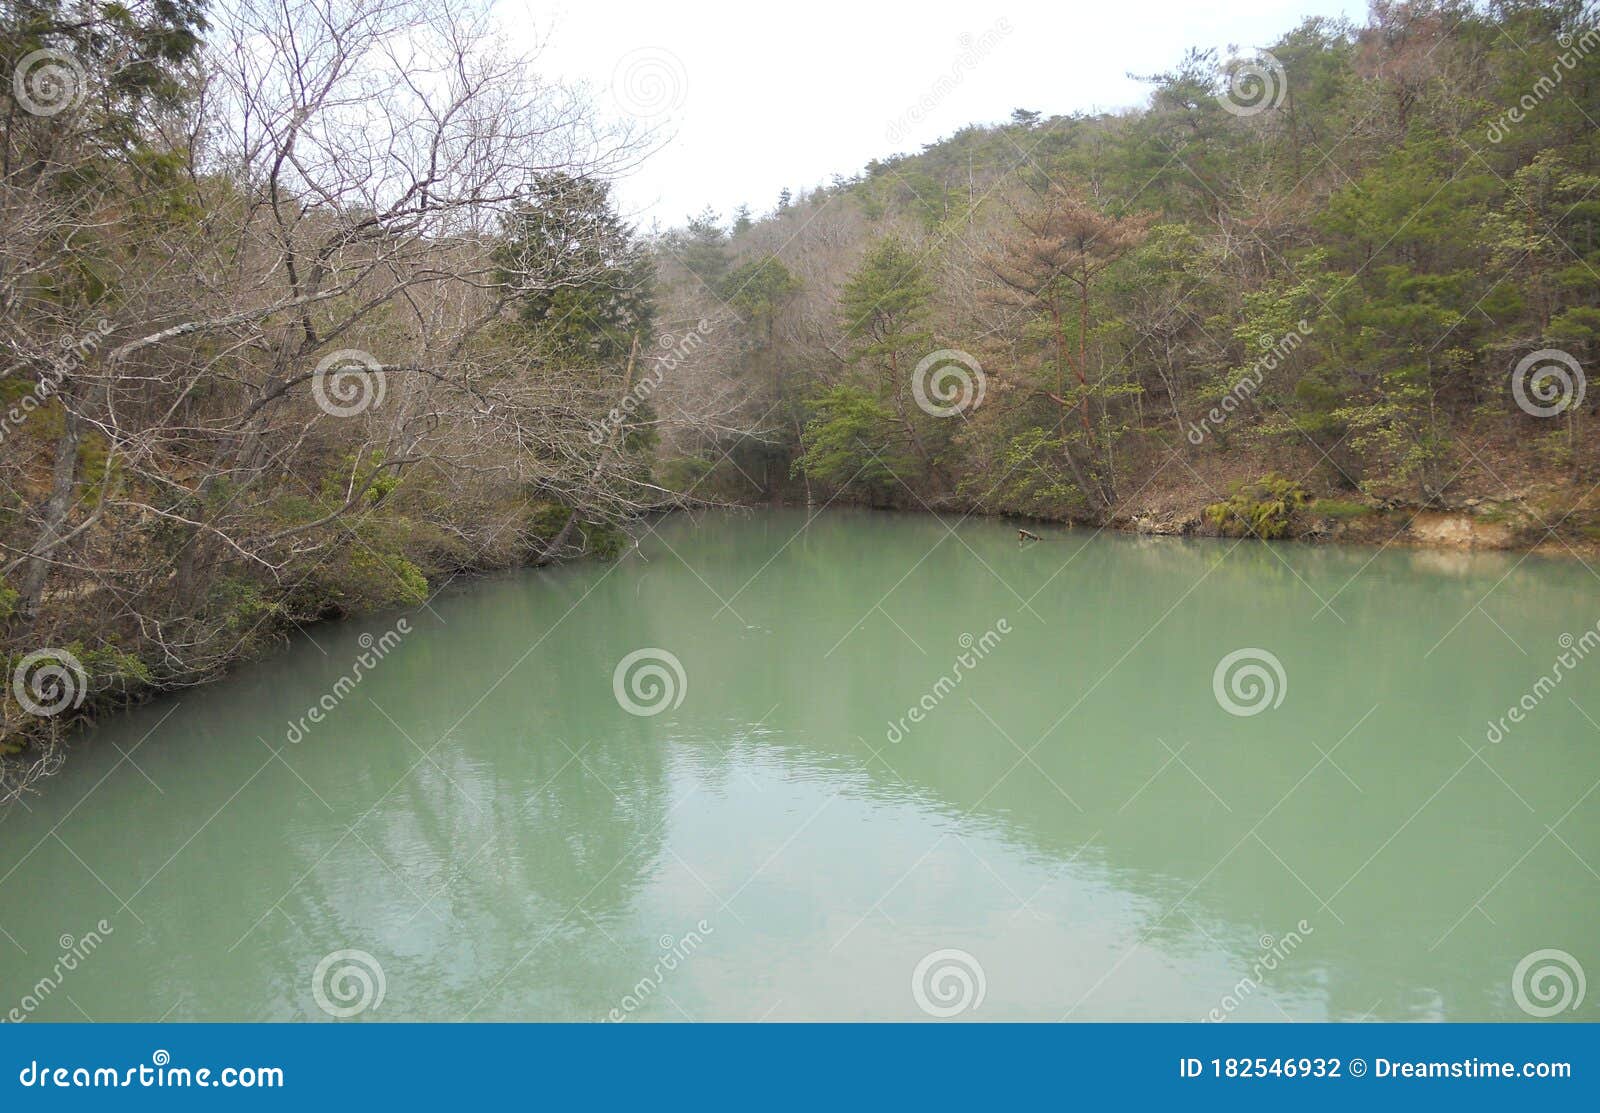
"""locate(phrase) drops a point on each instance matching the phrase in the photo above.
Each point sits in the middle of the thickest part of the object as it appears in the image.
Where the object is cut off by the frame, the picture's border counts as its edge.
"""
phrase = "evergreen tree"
(584, 280)
(702, 247)
(883, 306)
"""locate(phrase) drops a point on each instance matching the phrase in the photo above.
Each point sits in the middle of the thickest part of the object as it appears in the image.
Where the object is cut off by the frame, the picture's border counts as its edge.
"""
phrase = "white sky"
(755, 97)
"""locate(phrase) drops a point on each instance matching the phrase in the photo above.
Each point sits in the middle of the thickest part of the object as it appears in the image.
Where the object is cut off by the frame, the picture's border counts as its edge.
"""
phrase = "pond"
(855, 766)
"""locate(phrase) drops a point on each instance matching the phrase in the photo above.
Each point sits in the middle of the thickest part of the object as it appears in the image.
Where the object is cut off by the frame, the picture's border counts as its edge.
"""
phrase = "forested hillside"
(1309, 291)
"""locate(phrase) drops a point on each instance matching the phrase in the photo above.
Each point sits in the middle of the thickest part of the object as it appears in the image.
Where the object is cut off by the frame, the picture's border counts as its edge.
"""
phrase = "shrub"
(1265, 508)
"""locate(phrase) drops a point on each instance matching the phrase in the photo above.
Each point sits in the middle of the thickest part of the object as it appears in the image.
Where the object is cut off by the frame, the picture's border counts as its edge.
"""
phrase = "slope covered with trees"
(1322, 290)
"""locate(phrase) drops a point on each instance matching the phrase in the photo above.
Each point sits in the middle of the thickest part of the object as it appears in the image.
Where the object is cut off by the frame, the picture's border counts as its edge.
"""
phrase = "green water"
(1077, 814)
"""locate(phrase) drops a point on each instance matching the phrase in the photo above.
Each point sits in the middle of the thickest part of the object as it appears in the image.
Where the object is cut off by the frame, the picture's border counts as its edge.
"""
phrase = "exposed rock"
(1476, 524)
(1460, 531)
(1165, 526)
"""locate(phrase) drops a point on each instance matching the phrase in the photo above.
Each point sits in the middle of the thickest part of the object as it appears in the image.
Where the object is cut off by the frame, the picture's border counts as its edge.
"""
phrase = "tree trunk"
(63, 478)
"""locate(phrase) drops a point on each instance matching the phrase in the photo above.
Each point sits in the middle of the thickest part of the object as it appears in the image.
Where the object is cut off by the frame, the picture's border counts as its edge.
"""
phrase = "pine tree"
(883, 305)
(1049, 264)
(702, 247)
(585, 280)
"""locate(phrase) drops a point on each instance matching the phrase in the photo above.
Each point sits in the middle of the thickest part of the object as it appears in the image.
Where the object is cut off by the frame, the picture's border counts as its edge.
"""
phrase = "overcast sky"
(757, 97)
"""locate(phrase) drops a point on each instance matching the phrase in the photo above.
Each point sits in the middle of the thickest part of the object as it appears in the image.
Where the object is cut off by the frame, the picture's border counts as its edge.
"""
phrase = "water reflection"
(1076, 811)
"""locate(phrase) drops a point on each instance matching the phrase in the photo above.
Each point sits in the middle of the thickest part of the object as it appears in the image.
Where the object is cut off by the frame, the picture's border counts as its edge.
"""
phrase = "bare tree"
(283, 322)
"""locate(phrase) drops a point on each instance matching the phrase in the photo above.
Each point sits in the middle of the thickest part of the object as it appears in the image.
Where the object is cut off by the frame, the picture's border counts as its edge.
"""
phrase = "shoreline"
(1484, 527)
(1478, 526)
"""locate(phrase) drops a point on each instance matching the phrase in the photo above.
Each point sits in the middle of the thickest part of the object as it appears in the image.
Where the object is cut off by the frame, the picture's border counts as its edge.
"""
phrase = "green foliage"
(1031, 481)
(107, 668)
(135, 56)
(702, 248)
(363, 579)
(683, 473)
(759, 288)
(883, 302)
(605, 542)
(585, 281)
(545, 520)
(1421, 205)
(354, 473)
(96, 471)
(848, 441)
(242, 605)
(111, 668)
(1265, 508)
(1578, 325)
